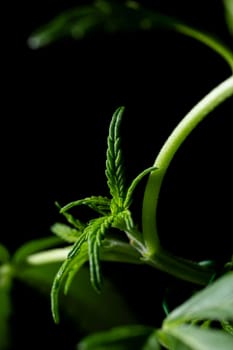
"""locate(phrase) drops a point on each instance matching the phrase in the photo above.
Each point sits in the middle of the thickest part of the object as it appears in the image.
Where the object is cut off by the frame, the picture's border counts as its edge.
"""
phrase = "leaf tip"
(54, 310)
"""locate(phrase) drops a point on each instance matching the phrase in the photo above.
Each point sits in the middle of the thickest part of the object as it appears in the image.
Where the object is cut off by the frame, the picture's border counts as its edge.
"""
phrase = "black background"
(57, 105)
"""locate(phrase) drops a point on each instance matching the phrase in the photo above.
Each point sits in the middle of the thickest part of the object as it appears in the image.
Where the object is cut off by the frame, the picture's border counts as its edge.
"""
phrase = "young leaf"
(123, 220)
(96, 231)
(131, 337)
(114, 164)
(93, 234)
(214, 302)
(70, 265)
(65, 232)
(56, 286)
(75, 267)
(75, 222)
(135, 182)
(188, 337)
(98, 203)
(95, 274)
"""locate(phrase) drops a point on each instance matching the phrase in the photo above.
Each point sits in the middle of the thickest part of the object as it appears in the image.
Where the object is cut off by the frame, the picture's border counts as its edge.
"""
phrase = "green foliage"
(193, 338)
(121, 338)
(214, 303)
(65, 232)
(114, 163)
(110, 16)
(88, 238)
(49, 264)
(175, 333)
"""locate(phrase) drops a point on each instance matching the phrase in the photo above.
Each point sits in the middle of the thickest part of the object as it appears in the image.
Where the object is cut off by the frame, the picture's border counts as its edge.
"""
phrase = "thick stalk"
(165, 156)
(180, 268)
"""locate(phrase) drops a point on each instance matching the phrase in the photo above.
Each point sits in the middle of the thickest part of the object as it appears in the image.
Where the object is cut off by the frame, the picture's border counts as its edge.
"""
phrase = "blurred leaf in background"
(228, 4)
(101, 17)
(87, 309)
(132, 337)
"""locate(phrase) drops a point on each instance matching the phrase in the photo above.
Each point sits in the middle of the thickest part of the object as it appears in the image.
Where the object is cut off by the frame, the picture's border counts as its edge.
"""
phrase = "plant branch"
(210, 41)
(180, 268)
(150, 201)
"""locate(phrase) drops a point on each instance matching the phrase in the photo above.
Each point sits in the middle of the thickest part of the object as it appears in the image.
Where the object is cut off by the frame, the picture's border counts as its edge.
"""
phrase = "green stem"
(212, 42)
(165, 156)
(155, 20)
(180, 268)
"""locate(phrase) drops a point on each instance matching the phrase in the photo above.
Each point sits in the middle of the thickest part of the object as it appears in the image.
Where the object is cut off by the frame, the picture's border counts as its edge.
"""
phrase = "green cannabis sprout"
(113, 212)
(89, 238)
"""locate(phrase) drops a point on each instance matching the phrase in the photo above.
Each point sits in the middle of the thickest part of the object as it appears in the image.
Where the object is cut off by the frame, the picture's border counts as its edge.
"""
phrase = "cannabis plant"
(77, 248)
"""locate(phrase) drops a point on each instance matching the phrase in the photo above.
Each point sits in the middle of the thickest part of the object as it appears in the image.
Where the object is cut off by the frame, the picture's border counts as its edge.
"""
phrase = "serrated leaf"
(98, 203)
(188, 337)
(93, 234)
(135, 182)
(123, 220)
(131, 337)
(96, 231)
(214, 302)
(94, 259)
(73, 221)
(114, 163)
(65, 232)
(67, 270)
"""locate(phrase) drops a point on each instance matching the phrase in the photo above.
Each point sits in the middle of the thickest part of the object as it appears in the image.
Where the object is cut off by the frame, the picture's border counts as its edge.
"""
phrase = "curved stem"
(208, 39)
(165, 156)
(212, 42)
